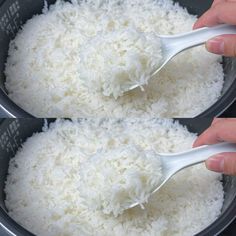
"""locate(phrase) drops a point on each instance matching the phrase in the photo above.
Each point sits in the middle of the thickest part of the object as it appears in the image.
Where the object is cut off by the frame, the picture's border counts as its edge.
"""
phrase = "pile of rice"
(44, 74)
(124, 176)
(42, 192)
(114, 62)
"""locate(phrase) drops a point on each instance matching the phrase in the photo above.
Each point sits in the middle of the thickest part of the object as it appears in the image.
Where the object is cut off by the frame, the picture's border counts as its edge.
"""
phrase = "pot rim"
(12, 110)
(215, 228)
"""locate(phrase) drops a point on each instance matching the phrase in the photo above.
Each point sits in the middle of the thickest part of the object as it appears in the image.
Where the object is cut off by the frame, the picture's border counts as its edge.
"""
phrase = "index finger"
(217, 2)
(223, 130)
(215, 120)
(220, 13)
(221, 1)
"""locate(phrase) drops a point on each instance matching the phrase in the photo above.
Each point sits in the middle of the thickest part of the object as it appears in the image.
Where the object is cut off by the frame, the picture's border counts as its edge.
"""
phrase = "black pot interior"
(13, 132)
(14, 13)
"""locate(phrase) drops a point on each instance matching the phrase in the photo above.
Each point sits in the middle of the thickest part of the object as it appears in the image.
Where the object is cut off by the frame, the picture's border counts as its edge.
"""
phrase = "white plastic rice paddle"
(174, 44)
(173, 163)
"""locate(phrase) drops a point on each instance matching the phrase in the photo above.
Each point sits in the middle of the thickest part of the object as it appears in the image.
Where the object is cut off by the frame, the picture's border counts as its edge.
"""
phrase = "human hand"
(220, 130)
(221, 11)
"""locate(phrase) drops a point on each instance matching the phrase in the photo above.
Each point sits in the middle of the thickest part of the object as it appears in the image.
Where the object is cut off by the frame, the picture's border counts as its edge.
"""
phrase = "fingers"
(215, 120)
(223, 163)
(221, 1)
(217, 2)
(220, 12)
(220, 130)
(223, 45)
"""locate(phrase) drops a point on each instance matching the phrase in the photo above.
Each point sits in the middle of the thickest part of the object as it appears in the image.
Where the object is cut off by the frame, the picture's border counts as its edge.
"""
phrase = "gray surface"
(4, 232)
(2, 114)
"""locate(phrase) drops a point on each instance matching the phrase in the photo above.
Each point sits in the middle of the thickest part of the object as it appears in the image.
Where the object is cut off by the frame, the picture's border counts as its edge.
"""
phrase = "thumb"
(223, 163)
(222, 45)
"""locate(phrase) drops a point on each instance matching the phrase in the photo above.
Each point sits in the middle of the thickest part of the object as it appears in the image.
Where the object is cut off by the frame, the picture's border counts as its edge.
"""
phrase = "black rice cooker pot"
(14, 13)
(13, 132)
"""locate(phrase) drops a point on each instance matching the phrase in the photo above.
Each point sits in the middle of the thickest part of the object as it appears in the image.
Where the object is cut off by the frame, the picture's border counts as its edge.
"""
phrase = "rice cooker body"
(13, 132)
(14, 13)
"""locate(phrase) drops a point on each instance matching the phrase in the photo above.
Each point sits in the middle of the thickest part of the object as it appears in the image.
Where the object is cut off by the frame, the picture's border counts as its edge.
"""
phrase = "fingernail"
(216, 163)
(216, 45)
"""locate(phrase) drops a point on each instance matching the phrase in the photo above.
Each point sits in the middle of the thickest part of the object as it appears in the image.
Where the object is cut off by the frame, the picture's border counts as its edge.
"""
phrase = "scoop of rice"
(115, 61)
(123, 176)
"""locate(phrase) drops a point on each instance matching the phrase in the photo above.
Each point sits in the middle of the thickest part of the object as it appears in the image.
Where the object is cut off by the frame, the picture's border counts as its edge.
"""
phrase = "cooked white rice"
(114, 62)
(42, 70)
(42, 191)
(123, 176)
